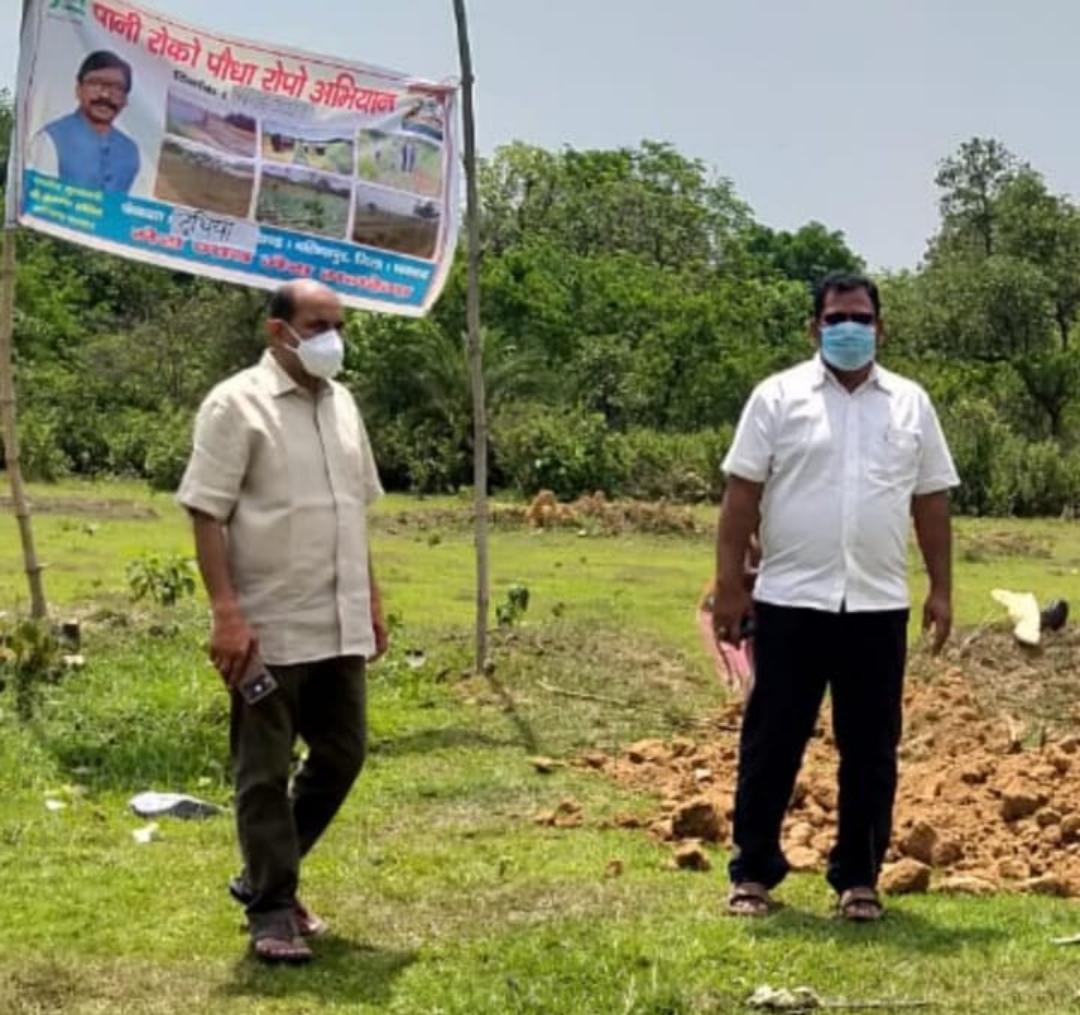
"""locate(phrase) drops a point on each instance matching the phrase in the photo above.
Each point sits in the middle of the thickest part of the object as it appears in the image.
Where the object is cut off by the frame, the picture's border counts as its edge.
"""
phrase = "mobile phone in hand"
(258, 682)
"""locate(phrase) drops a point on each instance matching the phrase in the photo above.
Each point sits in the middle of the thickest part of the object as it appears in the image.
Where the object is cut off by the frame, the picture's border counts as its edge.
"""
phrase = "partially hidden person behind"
(830, 460)
(85, 148)
(278, 485)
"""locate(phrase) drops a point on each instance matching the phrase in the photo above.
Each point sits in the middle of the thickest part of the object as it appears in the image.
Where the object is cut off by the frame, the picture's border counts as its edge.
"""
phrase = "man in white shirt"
(829, 461)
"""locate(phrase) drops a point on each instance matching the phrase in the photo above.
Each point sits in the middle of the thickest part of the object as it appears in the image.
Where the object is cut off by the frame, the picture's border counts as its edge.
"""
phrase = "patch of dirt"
(1041, 684)
(43, 987)
(986, 801)
(976, 547)
(89, 507)
(591, 515)
(611, 517)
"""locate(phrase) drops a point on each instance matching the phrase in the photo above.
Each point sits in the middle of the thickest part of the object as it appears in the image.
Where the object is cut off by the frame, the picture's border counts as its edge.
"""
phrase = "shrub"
(1003, 474)
(168, 447)
(421, 457)
(81, 435)
(40, 453)
(1040, 480)
(32, 655)
(558, 449)
(128, 435)
(683, 467)
(978, 438)
(164, 581)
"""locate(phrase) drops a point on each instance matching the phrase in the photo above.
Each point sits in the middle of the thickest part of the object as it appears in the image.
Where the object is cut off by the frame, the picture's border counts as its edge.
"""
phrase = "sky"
(829, 110)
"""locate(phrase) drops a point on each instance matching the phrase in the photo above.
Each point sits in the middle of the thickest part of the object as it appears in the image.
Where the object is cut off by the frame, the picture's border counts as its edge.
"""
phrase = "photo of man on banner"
(85, 147)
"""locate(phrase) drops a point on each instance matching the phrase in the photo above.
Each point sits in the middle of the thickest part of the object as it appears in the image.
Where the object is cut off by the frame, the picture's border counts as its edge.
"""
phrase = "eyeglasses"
(837, 318)
(103, 87)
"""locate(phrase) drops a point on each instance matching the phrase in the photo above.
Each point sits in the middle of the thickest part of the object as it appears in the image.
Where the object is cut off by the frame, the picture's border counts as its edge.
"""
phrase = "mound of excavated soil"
(989, 794)
(589, 515)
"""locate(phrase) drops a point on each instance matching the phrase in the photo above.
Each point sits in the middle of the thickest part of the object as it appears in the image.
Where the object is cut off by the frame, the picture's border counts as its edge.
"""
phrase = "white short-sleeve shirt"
(839, 471)
(290, 475)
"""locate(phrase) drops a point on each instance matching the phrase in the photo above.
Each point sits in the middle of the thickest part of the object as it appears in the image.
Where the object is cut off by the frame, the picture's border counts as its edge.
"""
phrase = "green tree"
(806, 255)
(971, 181)
(649, 201)
(1044, 230)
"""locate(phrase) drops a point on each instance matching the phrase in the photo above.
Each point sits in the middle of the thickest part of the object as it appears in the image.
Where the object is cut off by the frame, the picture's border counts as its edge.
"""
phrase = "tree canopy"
(630, 300)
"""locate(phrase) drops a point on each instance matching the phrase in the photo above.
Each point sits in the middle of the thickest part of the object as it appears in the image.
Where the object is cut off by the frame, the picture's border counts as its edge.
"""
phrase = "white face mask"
(321, 355)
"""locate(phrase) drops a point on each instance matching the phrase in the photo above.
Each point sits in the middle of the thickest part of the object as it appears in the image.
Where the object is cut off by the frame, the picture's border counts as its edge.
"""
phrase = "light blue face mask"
(848, 345)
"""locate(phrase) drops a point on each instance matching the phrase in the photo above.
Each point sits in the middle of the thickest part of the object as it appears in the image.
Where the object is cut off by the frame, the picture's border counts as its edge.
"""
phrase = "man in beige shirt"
(278, 485)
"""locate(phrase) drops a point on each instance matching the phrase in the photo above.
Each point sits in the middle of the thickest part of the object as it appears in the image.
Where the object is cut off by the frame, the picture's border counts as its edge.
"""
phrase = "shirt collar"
(878, 375)
(279, 382)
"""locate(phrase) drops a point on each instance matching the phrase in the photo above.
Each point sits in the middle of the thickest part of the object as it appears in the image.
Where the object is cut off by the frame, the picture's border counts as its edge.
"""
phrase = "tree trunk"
(475, 339)
(1063, 326)
(1055, 411)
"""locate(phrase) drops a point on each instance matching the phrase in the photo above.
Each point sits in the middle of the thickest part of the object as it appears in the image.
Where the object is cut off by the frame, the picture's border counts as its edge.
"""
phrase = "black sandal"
(860, 905)
(749, 899)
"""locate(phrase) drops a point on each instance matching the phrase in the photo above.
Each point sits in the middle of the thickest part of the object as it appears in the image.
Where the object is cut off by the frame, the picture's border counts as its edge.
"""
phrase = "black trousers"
(860, 657)
(325, 704)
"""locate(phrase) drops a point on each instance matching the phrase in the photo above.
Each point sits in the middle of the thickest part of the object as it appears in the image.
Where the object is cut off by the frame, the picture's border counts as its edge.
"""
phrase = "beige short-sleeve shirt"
(291, 476)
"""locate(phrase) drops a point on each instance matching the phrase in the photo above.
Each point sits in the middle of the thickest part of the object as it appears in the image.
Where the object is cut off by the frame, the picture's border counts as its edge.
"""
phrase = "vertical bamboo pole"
(475, 340)
(8, 422)
(10, 429)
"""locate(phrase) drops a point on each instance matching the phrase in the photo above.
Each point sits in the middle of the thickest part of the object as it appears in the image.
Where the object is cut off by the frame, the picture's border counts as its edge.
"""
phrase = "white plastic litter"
(174, 805)
(147, 834)
(1023, 610)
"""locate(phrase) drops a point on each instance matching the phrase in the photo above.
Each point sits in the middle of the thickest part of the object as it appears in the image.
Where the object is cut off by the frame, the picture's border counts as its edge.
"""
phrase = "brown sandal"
(750, 899)
(275, 940)
(307, 923)
(860, 905)
(276, 950)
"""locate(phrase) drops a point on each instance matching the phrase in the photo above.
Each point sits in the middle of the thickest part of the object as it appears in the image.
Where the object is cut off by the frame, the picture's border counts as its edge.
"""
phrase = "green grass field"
(444, 895)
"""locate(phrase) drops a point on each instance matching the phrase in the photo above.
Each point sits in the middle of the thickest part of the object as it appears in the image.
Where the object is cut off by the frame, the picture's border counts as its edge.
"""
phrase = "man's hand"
(382, 635)
(934, 531)
(737, 556)
(937, 613)
(232, 643)
(731, 606)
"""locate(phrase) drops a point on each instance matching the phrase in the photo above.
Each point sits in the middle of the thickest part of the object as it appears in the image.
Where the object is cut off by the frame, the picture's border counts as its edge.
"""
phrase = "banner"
(159, 142)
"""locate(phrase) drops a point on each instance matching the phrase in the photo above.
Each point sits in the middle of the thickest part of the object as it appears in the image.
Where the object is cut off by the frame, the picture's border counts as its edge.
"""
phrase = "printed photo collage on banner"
(376, 187)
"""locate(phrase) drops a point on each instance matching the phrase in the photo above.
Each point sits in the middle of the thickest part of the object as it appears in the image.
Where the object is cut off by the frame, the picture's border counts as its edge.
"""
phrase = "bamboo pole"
(8, 422)
(38, 608)
(475, 345)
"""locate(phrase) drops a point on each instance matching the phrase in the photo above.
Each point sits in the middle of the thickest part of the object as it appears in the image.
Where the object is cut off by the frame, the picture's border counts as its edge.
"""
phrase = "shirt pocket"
(894, 459)
(350, 450)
